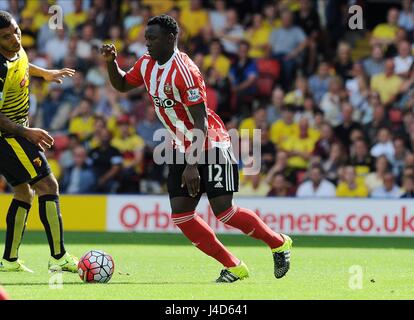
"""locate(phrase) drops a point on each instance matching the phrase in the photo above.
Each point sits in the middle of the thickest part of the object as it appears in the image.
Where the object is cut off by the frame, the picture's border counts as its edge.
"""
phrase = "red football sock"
(250, 223)
(203, 237)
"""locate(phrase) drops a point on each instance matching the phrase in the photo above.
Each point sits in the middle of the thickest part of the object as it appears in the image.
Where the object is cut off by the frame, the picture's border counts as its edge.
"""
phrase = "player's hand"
(58, 75)
(39, 137)
(191, 179)
(108, 51)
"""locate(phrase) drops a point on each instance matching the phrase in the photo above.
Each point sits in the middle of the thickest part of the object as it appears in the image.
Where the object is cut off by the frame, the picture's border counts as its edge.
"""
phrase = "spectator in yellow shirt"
(296, 97)
(285, 127)
(252, 184)
(82, 120)
(299, 147)
(256, 121)
(41, 16)
(385, 33)
(77, 17)
(270, 16)
(194, 18)
(292, 5)
(28, 33)
(159, 6)
(387, 84)
(129, 144)
(217, 59)
(258, 35)
(115, 37)
(351, 187)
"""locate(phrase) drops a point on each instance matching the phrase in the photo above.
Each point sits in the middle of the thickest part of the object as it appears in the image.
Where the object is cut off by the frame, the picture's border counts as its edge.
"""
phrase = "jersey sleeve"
(134, 76)
(191, 85)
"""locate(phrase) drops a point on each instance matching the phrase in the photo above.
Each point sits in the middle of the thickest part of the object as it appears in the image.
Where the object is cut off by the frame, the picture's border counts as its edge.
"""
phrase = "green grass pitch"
(167, 266)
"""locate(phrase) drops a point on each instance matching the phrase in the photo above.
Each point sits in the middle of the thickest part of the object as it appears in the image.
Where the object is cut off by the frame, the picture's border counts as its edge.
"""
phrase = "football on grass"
(96, 266)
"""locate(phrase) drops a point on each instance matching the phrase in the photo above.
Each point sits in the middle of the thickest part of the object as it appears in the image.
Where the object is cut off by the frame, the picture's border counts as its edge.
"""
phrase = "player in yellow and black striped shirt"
(22, 161)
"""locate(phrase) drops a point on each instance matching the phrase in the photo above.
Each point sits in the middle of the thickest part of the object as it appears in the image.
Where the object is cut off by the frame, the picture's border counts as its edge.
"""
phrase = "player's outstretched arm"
(116, 74)
(50, 75)
(37, 136)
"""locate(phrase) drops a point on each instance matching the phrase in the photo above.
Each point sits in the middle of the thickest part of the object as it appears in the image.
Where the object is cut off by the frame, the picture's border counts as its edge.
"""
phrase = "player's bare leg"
(16, 224)
(203, 237)
(48, 191)
(249, 223)
(24, 193)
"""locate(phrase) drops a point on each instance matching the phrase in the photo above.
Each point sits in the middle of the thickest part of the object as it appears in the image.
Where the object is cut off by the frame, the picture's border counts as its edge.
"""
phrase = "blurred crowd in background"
(334, 105)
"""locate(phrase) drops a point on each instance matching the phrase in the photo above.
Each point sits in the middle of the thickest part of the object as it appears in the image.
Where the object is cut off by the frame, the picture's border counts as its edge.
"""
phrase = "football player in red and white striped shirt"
(177, 90)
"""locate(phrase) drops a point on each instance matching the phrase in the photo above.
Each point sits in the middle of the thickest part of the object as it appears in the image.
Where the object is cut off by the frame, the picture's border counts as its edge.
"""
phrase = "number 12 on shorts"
(217, 176)
(222, 177)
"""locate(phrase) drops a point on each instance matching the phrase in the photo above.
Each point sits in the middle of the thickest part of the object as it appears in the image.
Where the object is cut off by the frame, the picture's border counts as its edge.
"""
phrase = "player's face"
(158, 42)
(10, 38)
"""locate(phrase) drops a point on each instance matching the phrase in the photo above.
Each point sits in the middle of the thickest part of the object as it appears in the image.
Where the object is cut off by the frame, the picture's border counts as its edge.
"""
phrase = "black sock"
(52, 221)
(16, 224)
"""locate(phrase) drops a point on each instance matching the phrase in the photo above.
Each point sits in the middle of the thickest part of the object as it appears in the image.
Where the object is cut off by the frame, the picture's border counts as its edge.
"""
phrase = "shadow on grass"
(170, 239)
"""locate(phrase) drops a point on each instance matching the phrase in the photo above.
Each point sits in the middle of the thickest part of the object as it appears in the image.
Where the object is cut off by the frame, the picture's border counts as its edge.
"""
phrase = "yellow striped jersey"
(14, 88)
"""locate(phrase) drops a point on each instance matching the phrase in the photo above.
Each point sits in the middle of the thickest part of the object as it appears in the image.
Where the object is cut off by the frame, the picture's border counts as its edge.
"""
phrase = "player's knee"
(51, 186)
(23, 193)
(218, 207)
(47, 185)
(183, 204)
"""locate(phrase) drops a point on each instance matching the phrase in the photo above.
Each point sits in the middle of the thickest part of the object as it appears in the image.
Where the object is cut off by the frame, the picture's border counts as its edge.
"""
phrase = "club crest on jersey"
(37, 162)
(193, 94)
(167, 88)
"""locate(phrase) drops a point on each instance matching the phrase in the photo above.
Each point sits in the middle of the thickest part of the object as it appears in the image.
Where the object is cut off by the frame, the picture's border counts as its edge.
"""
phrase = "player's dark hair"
(5, 19)
(166, 22)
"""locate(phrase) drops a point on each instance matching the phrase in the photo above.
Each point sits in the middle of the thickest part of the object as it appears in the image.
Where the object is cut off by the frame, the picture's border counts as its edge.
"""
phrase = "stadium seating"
(269, 72)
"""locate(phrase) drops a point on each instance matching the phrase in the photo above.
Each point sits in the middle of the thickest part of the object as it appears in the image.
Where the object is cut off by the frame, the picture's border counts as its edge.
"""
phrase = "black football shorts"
(21, 161)
(219, 174)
